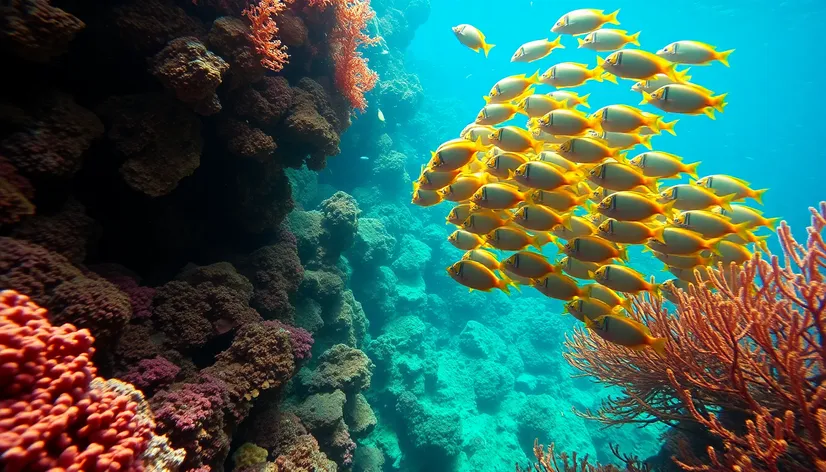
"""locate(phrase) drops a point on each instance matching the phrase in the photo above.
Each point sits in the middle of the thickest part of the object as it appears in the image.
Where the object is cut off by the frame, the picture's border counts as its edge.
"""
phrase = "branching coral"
(550, 461)
(352, 75)
(745, 361)
(264, 30)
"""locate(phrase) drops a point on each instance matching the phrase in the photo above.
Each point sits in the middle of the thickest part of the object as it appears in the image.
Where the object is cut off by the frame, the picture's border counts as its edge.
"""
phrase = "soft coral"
(273, 54)
(352, 75)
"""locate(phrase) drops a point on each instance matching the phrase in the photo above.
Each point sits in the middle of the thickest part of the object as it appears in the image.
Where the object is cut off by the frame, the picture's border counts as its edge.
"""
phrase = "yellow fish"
(537, 105)
(567, 122)
(741, 213)
(626, 119)
(577, 268)
(571, 99)
(593, 249)
(626, 332)
(687, 99)
(596, 219)
(458, 214)
(535, 50)
(682, 261)
(584, 150)
(486, 258)
(454, 156)
(599, 194)
(495, 113)
(503, 164)
(463, 188)
(671, 288)
(508, 238)
(552, 157)
(624, 279)
(529, 264)
(464, 240)
(663, 165)
(425, 198)
(471, 37)
(679, 241)
(697, 276)
(590, 308)
(583, 21)
(573, 74)
(539, 218)
(625, 232)
(543, 176)
(432, 180)
(474, 132)
(511, 88)
(608, 40)
(619, 176)
(498, 196)
(631, 206)
(476, 276)
(483, 222)
(694, 197)
(578, 227)
(654, 83)
(727, 185)
(621, 141)
(557, 285)
(729, 252)
(693, 52)
(639, 64)
(607, 296)
(560, 200)
(711, 225)
(515, 139)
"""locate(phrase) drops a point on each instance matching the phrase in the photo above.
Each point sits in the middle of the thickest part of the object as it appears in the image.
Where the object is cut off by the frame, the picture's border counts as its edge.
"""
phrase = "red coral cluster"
(54, 412)
(353, 76)
(744, 359)
(264, 30)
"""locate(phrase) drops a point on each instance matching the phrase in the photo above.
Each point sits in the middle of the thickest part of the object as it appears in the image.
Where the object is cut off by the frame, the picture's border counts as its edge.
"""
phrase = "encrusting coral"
(743, 360)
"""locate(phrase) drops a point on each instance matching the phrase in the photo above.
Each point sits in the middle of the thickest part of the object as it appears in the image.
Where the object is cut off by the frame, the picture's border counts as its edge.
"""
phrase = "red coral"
(744, 360)
(54, 412)
(264, 30)
(352, 75)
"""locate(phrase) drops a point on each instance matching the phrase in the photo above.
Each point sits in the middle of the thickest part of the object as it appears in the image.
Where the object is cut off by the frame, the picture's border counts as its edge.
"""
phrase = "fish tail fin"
(599, 73)
(709, 111)
(657, 233)
(627, 303)
(771, 223)
(646, 141)
(718, 102)
(758, 195)
(557, 43)
(725, 202)
(669, 126)
(714, 247)
(668, 209)
(723, 57)
(534, 78)
(646, 98)
(623, 253)
(583, 100)
(581, 200)
(504, 283)
(612, 17)
(487, 47)
(658, 344)
(580, 43)
(635, 38)
(761, 244)
(742, 230)
(652, 183)
(691, 170)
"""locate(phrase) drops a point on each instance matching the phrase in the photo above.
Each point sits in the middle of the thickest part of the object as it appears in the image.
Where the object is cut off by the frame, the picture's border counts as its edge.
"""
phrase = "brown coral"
(147, 25)
(36, 31)
(246, 141)
(192, 72)
(230, 38)
(67, 232)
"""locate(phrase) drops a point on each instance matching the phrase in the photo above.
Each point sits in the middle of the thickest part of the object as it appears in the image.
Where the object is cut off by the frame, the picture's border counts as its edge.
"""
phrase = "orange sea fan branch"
(353, 77)
(264, 30)
(745, 359)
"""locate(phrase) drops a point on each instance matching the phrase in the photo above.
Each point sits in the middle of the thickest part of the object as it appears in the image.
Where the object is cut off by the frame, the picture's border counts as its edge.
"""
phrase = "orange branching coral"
(352, 75)
(745, 360)
(550, 461)
(264, 30)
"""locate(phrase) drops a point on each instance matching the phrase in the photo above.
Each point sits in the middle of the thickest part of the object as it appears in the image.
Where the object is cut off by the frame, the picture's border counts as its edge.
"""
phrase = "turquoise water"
(468, 381)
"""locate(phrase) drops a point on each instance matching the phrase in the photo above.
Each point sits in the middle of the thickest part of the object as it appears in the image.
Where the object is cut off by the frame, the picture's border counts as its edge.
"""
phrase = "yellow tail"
(657, 233)
(758, 195)
(652, 183)
(612, 18)
(771, 223)
(635, 38)
(658, 344)
(742, 230)
(723, 56)
(534, 78)
(646, 98)
(668, 126)
(623, 253)
(504, 283)
(609, 77)
(725, 202)
(487, 47)
(580, 42)
(557, 43)
(646, 141)
(718, 102)
(583, 100)
(691, 170)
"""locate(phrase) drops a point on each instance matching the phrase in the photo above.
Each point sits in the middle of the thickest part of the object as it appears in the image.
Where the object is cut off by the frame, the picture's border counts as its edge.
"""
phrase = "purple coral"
(302, 340)
(149, 375)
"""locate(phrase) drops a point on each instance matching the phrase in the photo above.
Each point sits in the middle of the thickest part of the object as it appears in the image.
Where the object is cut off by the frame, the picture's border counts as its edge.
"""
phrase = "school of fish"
(572, 180)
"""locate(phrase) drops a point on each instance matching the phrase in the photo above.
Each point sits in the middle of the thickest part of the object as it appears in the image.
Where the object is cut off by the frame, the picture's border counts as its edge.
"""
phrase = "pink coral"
(151, 374)
(353, 76)
(53, 411)
(264, 30)
(302, 341)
